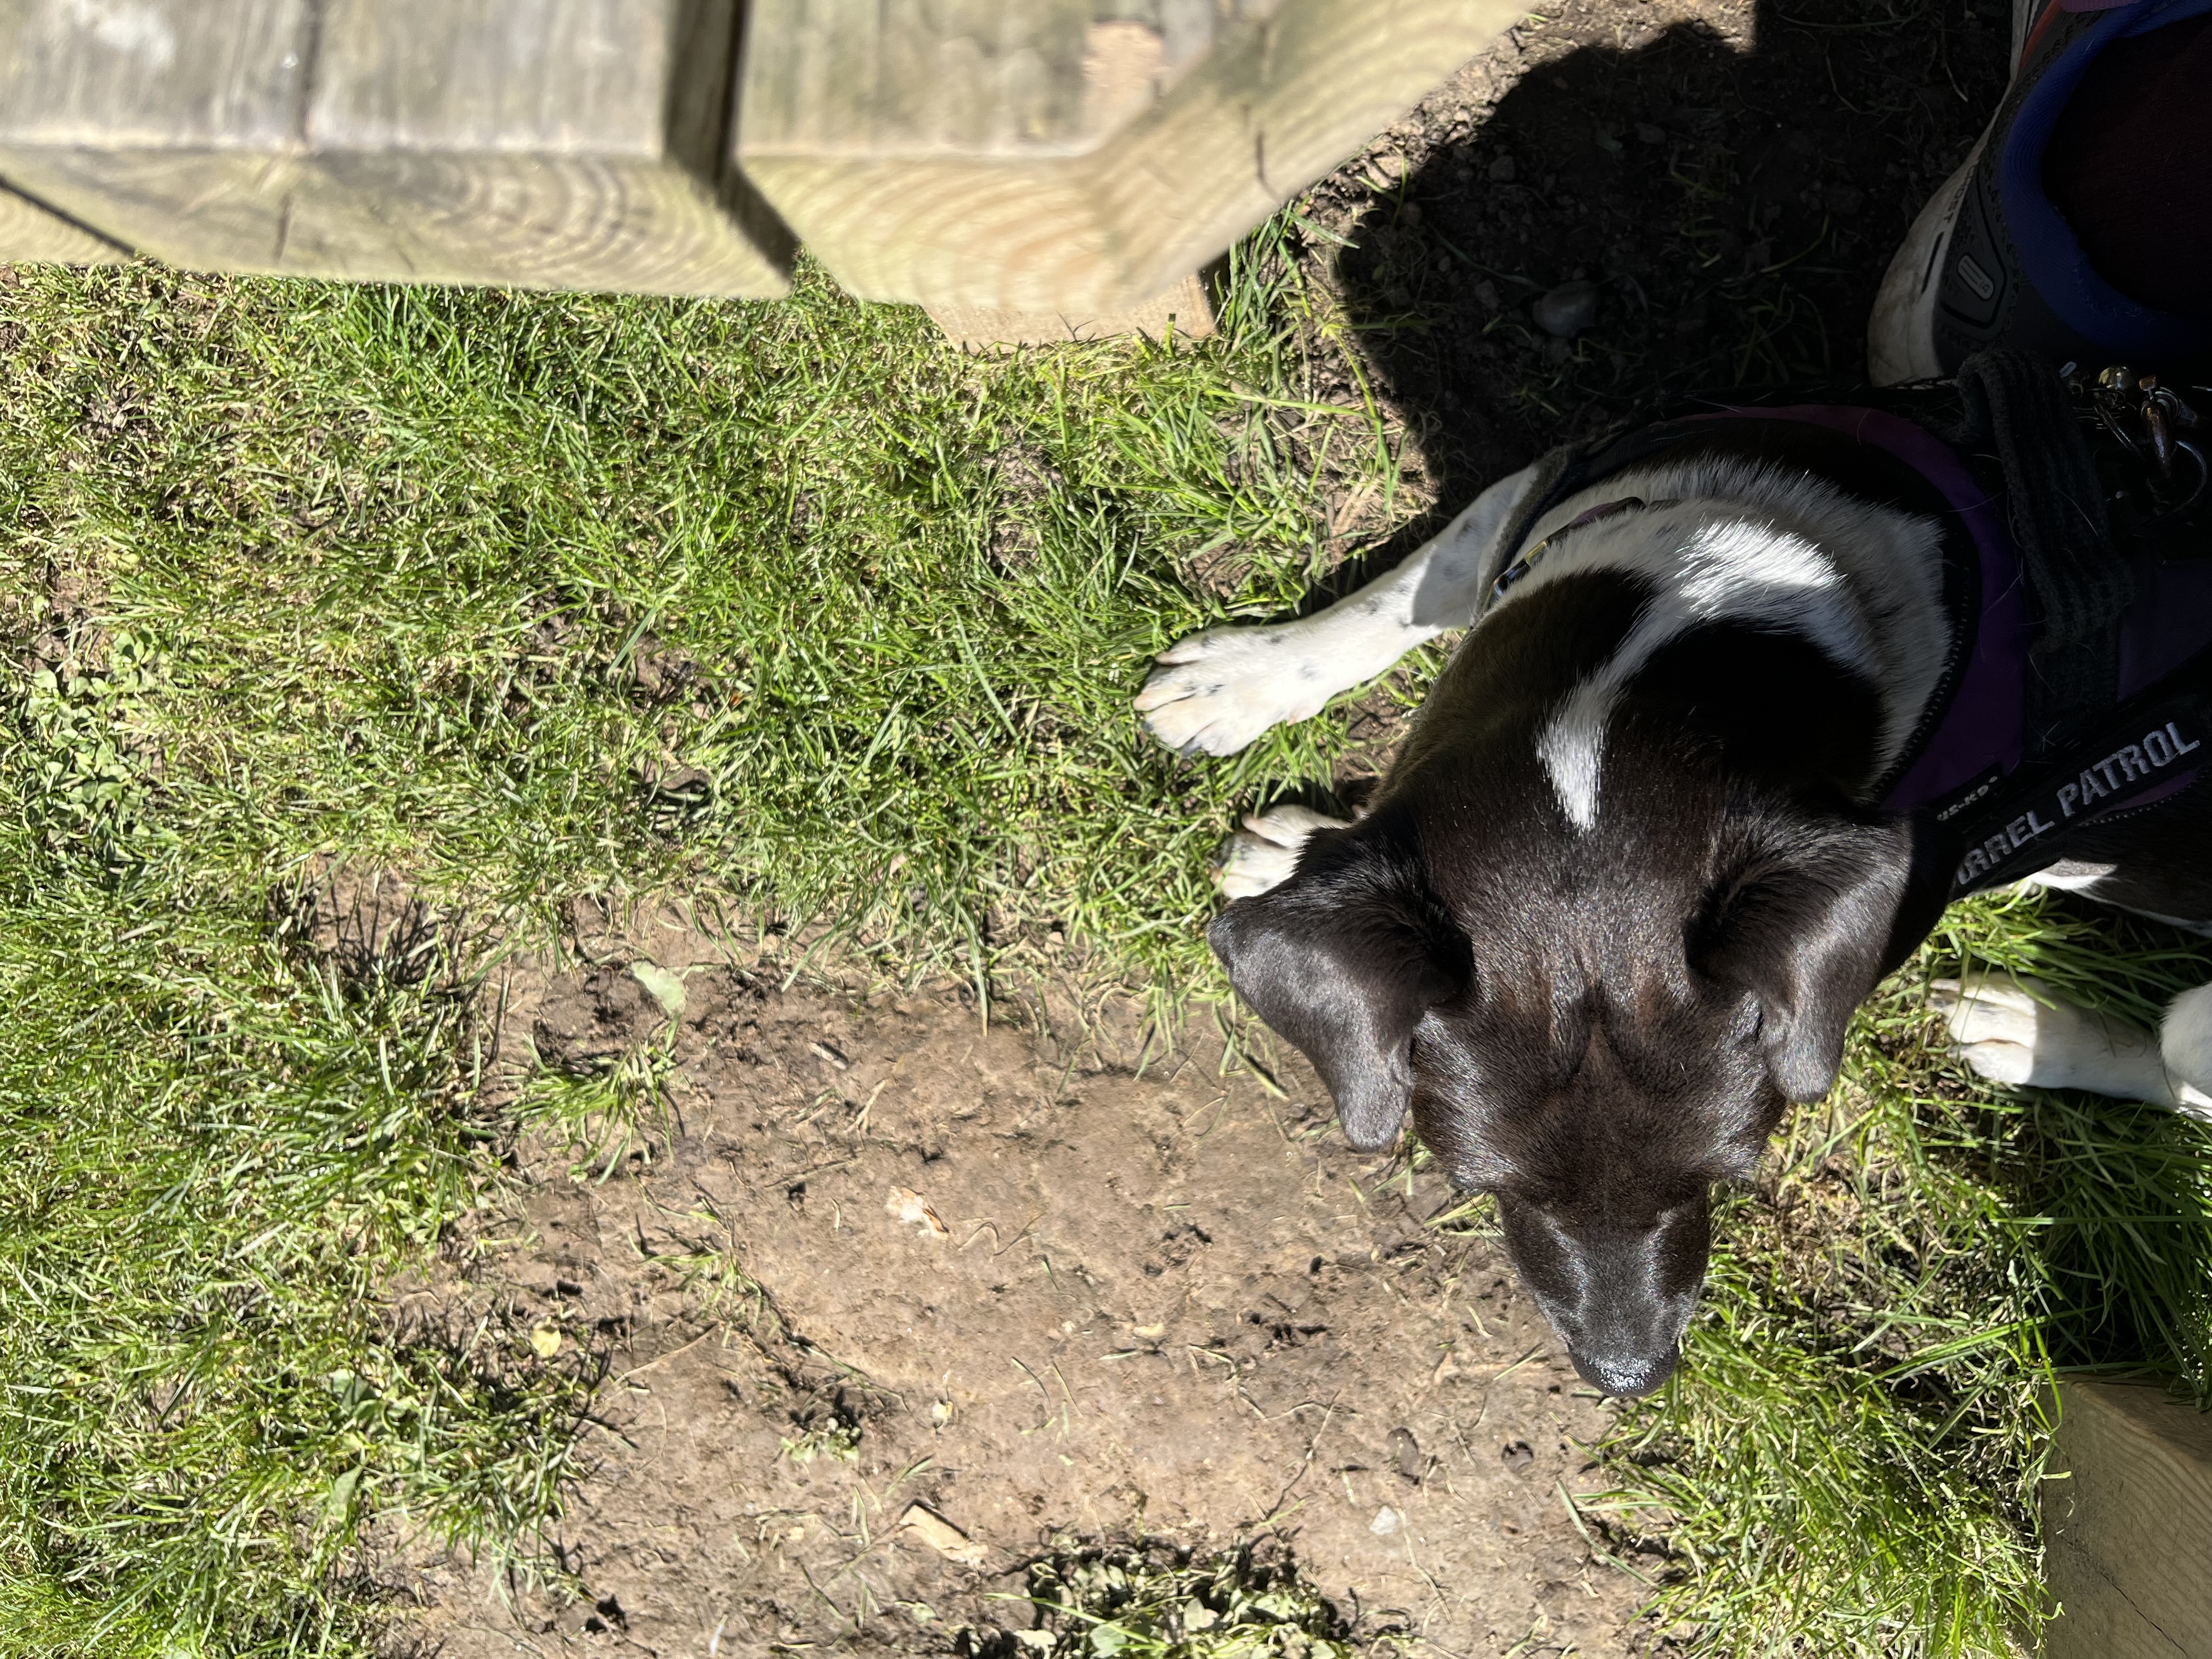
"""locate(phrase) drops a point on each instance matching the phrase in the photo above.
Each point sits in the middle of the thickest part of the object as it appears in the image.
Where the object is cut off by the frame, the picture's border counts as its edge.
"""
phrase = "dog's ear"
(1343, 960)
(1804, 922)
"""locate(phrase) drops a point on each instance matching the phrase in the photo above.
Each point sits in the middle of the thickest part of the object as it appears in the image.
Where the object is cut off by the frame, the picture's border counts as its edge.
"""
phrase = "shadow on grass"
(1732, 188)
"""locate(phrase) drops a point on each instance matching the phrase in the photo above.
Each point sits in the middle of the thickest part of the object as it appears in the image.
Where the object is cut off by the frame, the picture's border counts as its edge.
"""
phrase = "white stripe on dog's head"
(1572, 749)
(1708, 561)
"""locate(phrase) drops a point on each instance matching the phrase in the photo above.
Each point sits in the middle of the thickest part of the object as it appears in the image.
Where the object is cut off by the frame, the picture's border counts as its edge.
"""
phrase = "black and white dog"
(1745, 702)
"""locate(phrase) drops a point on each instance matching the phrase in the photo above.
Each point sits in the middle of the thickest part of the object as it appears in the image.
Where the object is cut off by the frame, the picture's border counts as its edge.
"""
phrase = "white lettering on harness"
(2129, 764)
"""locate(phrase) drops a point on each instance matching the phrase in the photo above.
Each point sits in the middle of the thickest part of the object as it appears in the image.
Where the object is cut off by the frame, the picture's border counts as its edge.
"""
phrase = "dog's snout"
(1619, 1297)
(1624, 1375)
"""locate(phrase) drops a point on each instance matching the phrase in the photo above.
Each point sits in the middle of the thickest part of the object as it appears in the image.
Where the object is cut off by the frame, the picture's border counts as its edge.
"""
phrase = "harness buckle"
(2149, 419)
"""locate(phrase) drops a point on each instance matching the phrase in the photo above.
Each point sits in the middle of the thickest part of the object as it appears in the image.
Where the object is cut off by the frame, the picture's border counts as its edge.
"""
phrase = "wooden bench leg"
(1047, 157)
(543, 144)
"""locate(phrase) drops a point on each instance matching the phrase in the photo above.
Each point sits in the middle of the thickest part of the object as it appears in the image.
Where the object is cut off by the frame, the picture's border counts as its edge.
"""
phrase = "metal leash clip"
(2148, 420)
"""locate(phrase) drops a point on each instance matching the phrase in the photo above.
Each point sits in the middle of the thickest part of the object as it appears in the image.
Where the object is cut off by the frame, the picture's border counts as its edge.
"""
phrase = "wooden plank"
(1185, 312)
(1070, 156)
(569, 143)
(2127, 1525)
(553, 144)
(33, 233)
(164, 123)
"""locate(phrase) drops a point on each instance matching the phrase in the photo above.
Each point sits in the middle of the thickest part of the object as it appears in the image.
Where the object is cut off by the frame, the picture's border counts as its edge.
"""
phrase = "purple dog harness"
(2005, 809)
(1979, 739)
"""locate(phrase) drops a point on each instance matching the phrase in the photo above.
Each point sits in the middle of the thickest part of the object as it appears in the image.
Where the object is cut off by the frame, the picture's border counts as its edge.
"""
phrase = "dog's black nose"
(1624, 1375)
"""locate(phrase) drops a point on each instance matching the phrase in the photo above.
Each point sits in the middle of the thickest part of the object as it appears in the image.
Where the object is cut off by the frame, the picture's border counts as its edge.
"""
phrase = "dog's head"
(1595, 1024)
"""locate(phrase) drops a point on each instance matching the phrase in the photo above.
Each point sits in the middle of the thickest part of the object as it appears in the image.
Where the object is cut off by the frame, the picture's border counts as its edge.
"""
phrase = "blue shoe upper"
(2050, 256)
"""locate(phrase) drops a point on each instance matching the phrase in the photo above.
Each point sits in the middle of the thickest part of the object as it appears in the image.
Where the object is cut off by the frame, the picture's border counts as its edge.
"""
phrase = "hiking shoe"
(1991, 260)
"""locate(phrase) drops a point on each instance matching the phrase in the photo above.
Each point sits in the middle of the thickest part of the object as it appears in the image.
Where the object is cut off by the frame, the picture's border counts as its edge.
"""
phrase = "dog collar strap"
(1511, 576)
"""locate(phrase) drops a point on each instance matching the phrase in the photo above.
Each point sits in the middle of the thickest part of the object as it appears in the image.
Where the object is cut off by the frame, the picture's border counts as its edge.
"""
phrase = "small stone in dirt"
(1385, 1522)
(1405, 1456)
(1517, 1456)
(941, 1535)
(664, 987)
(1649, 134)
(1502, 170)
(1485, 294)
(1567, 310)
(909, 1205)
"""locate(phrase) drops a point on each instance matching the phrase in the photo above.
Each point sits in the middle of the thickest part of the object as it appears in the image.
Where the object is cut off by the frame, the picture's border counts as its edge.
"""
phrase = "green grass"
(532, 595)
(218, 1149)
(1850, 1453)
(520, 596)
(794, 609)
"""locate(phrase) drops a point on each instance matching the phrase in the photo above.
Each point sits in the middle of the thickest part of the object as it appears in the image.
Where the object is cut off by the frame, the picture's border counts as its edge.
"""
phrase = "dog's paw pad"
(1999, 1061)
(1215, 692)
(1289, 825)
(1991, 1008)
(1264, 853)
(2019, 1032)
(1249, 866)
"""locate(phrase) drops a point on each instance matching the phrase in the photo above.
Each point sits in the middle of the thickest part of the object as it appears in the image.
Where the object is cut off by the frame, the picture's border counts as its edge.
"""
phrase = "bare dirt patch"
(878, 1255)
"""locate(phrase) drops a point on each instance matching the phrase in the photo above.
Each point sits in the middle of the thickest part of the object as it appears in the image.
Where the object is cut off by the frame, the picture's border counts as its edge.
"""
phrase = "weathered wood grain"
(1185, 312)
(2127, 1525)
(169, 125)
(1068, 155)
(30, 233)
(568, 143)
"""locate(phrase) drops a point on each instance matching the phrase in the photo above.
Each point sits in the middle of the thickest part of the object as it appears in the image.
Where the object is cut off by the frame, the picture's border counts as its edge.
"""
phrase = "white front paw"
(1264, 853)
(2018, 1031)
(1217, 691)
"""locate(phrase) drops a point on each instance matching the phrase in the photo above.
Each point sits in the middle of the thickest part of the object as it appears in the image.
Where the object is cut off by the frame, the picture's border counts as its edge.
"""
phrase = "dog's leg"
(2072, 876)
(2185, 1043)
(1265, 852)
(2018, 1031)
(1216, 691)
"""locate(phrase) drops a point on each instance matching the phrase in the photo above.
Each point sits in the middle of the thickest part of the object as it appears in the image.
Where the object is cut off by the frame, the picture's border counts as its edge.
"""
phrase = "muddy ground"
(879, 1255)
(1062, 1293)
